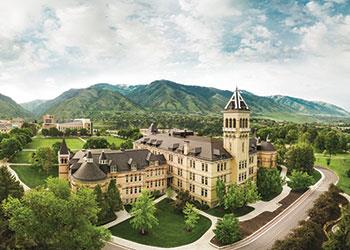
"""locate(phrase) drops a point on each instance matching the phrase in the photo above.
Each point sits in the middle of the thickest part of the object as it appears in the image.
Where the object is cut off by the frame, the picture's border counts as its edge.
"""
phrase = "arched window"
(234, 123)
(230, 122)
(226, 123)
(246, 123)
(240, 123)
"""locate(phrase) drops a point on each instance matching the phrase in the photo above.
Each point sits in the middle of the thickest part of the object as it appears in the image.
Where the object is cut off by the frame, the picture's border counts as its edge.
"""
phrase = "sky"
(297, 48)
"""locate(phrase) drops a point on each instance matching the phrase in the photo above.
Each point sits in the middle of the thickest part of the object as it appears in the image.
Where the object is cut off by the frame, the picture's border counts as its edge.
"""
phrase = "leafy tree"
(309, 235)
(9, 186)
(68, 132)
(300, 157)
(83, 132)
(332, 142)
(234, 198)
(191, 216)
(220, 191)
(9, 147)
(269, 183)
(96, 143)
(53, 132)
(300, 181)
(56, 147)
(182, 198)
(113, 146)
(126, 144)
(227, 230)
(340, 239)
(143, 213)
(46, 219)
(113, 196)
(45, 132)
(250, 191)
(44, 159)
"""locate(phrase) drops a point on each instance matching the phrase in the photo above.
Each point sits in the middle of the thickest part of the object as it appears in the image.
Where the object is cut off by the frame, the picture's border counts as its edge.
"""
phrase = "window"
(225, 165)
(202, 179)
(221, 166)
(126, 191)
(206, 167)
(130, 190)
(204, 192)
(126, 178)
(218, 167)
(203, 166)
(135, 178)
(135, 190)
(131, 177)
(139, 177)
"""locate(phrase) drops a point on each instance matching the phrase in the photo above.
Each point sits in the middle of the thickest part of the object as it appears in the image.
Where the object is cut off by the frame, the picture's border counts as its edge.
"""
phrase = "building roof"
(236, 102)
(201, 147)
(89, 171)
(63, 148)
(266, 146)
(127, 160)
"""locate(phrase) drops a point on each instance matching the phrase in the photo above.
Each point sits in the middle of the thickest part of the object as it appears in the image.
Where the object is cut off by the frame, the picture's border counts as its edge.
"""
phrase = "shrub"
(300, 181)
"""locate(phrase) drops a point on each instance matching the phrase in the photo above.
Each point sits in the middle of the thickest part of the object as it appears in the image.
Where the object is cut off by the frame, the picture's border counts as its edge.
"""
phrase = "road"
(281, 227)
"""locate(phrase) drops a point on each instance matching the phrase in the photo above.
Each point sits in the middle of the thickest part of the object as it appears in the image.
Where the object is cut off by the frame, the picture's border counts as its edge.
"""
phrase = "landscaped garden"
(220, 211)
(32, 176)
(39, 142)
(340, 163)
(170, 232)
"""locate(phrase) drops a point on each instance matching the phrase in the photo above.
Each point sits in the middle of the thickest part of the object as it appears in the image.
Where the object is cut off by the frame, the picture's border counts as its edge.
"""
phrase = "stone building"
(176, 158)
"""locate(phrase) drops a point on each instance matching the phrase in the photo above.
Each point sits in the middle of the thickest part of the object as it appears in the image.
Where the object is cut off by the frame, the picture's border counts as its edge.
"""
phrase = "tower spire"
(236, 102)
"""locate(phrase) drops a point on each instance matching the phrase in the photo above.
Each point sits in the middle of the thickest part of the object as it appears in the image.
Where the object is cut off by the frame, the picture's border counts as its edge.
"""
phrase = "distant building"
(177, 158)
(7, 125)
(76, 124)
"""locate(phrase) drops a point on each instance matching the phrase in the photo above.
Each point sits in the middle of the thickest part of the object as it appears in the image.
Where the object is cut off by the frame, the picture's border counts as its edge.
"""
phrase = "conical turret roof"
(63, 148)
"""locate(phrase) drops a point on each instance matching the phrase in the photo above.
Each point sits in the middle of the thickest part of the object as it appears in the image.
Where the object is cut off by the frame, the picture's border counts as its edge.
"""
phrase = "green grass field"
(340, 163)
(39, 142)
(111, 139)
(22, 157)
(169, 233)
(32, 177)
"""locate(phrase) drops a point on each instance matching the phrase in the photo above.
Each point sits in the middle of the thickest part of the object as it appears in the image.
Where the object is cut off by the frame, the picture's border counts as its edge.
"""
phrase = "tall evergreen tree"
(113, 196)
(9, 186)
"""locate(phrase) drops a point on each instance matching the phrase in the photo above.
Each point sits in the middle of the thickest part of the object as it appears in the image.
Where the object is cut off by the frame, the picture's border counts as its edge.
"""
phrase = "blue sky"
(298, 48)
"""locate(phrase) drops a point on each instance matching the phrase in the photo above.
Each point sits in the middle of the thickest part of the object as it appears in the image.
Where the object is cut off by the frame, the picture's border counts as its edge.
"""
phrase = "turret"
(63, 161)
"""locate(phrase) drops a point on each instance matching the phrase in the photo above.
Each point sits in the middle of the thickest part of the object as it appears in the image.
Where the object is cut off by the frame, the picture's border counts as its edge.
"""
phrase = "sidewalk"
(7, 165)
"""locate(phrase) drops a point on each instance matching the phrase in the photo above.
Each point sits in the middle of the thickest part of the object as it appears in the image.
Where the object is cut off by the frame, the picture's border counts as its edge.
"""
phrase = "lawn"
(340, 163)
(32, 177)
(22, 157)
(220, 211)
(39, 142)
(111, 139)
(169, 233)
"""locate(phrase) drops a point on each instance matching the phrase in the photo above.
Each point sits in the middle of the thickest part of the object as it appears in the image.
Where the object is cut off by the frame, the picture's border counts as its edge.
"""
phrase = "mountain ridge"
(168, 96)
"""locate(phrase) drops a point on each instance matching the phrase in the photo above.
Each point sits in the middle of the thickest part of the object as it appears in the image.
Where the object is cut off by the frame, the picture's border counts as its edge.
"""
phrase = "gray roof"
(266, 146)
(89, 171)
(122, 160)
(201, 147)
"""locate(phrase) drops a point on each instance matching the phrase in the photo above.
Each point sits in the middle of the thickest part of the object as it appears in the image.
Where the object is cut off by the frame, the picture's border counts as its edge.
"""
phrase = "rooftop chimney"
(186, 147)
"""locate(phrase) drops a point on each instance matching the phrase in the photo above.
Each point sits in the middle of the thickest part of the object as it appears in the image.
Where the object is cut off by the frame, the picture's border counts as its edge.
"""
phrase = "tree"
(9, 147)
(300, 181)
(234, 198)
(45, 132)
(83, 132)
(54, 132)
(340, 239)
(46, 219)
(126, 144)
(250, 191)
(191, 216)
(113, 196)
(300, 157)
(182, 198)
(56, 147)
(309, 235)
(102, 204)
(269, 183)
(96, 143)
(143, 213)
(332, 142)
(45, 159)
(227, 230)
(220, 191)
(9, 186)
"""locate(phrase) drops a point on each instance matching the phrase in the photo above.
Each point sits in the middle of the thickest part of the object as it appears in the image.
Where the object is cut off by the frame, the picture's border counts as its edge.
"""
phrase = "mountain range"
(102, 99)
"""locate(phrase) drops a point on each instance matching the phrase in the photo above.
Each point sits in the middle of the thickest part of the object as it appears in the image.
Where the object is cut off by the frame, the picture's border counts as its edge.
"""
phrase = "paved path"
(83, 140)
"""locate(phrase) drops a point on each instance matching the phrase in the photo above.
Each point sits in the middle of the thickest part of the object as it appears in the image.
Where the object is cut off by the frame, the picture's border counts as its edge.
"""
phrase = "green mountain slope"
(90, 102)
(33, 105)
(10, 109)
